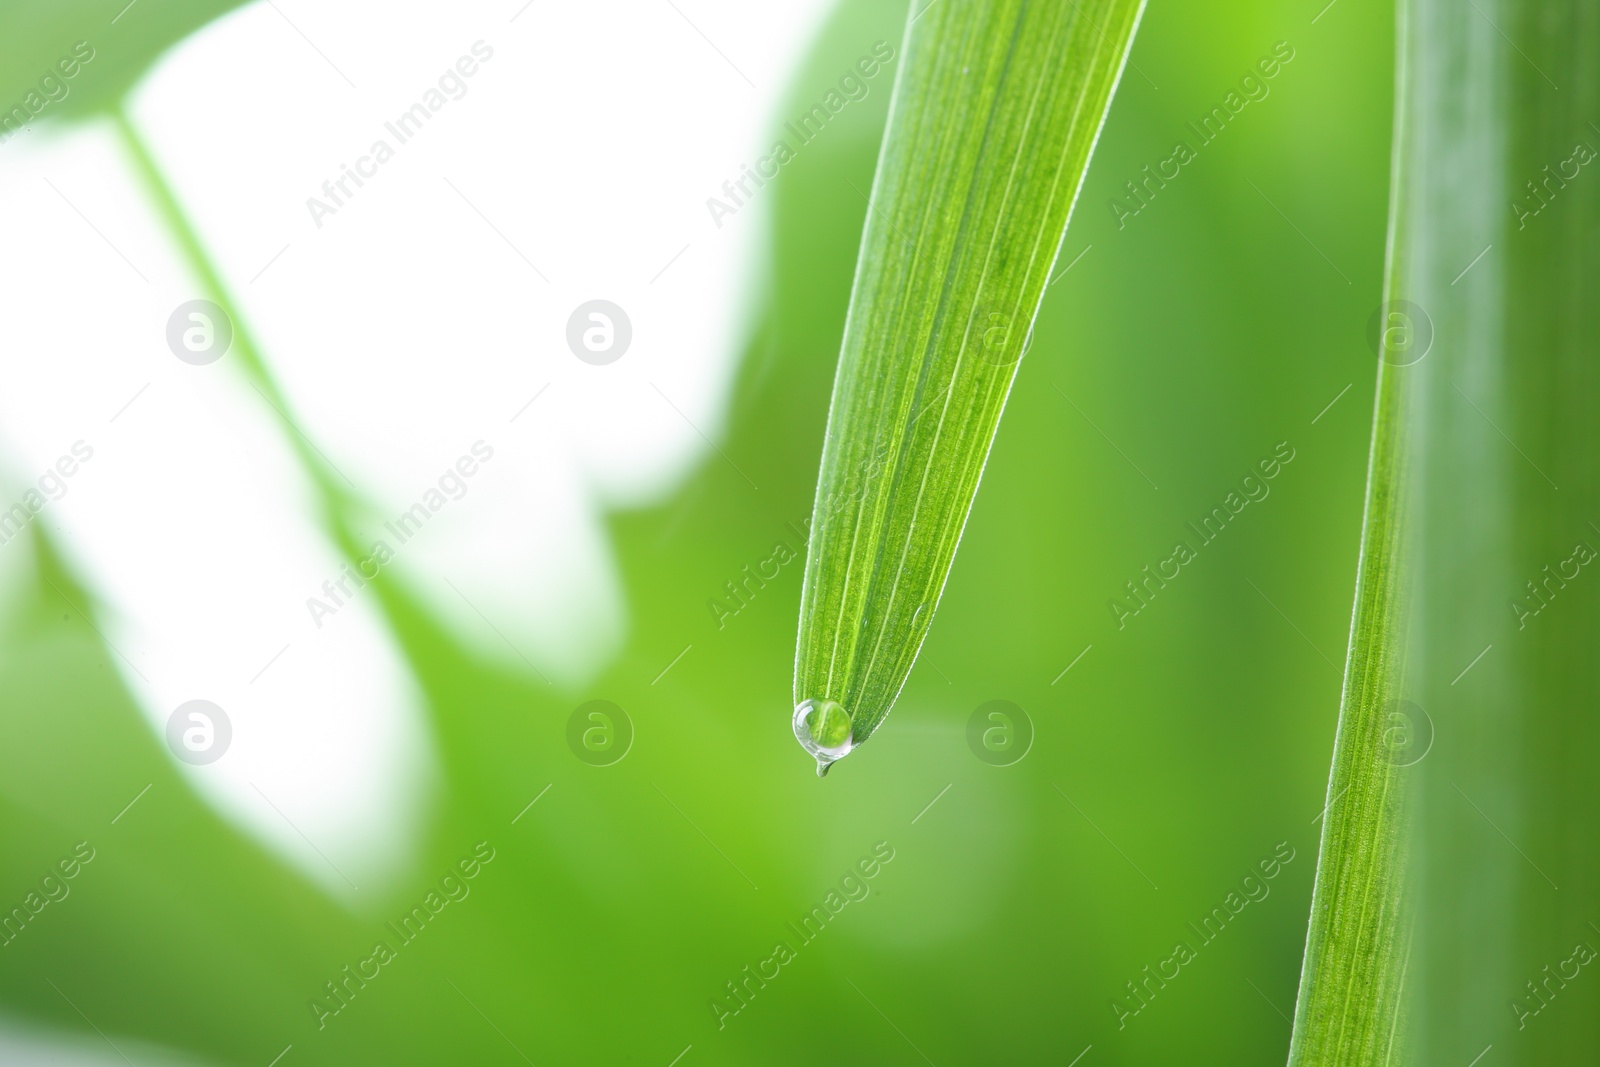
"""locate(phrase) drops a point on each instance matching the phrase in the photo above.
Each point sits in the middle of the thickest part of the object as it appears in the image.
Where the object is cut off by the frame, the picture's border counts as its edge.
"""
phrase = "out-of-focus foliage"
(1201, 328)
(66, 58)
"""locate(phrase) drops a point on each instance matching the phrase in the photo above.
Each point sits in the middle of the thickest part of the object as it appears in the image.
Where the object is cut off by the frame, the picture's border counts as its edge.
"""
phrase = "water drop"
(823, 729)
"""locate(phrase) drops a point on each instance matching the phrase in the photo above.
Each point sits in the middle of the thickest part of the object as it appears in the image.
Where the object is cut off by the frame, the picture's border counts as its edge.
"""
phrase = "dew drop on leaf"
(823, 729)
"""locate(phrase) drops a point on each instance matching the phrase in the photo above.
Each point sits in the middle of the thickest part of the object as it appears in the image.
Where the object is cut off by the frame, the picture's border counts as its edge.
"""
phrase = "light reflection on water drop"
(823, 729)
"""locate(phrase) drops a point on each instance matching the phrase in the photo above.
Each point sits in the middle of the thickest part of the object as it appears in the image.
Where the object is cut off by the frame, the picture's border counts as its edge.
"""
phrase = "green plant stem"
(1358, 939)
(244, 348)
(1483, 449)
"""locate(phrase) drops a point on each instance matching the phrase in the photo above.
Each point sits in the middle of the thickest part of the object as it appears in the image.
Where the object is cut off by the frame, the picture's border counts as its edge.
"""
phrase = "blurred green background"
(1172, 758)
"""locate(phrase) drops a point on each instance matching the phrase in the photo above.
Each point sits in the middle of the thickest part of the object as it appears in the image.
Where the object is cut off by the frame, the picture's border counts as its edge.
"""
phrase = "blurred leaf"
(602, 885)
(67, 58)
(1502, 203)
(992, 124)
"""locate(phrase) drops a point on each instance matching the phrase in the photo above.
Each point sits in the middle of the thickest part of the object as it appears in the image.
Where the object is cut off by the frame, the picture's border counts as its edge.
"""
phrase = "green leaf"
(68, 58)
(1358, 937)
(993, 120)
(1429, 868)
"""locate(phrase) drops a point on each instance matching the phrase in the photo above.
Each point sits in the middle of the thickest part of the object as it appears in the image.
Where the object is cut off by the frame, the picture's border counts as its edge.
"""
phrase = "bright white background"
(418, 319)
